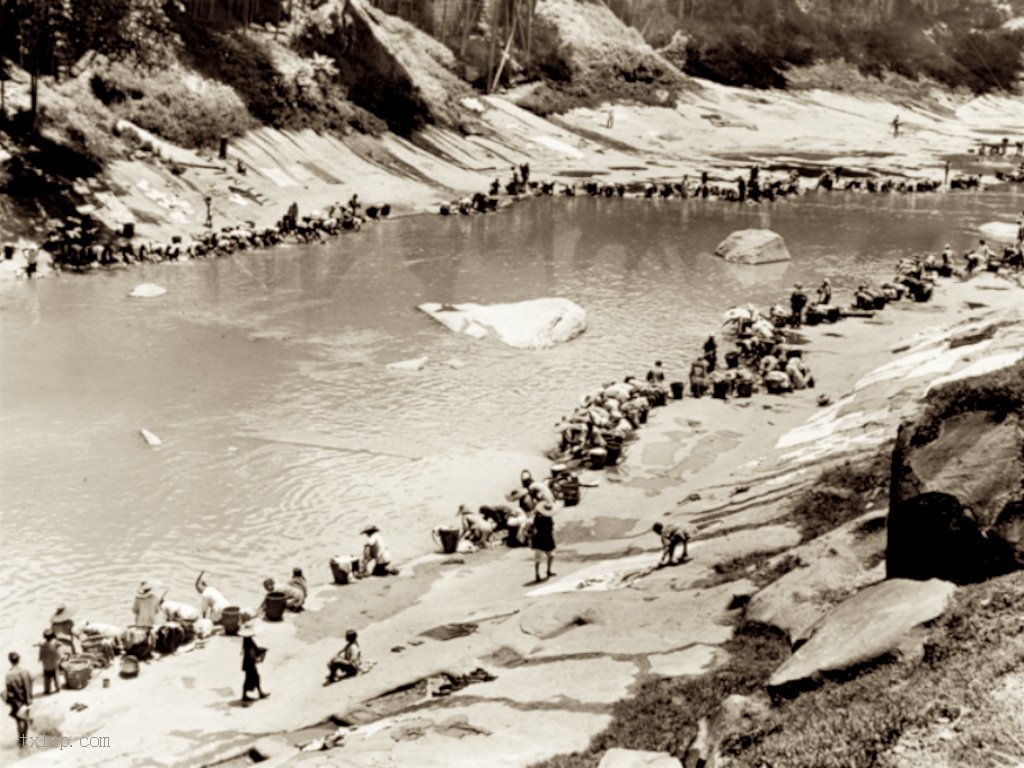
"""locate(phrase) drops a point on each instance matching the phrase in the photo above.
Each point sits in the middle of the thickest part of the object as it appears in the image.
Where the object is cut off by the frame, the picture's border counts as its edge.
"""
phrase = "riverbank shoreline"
(560, 652)
(719, 130)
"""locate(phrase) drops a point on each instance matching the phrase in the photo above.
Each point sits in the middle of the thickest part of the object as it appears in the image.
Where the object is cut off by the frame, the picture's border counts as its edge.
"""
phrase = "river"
(283, 432)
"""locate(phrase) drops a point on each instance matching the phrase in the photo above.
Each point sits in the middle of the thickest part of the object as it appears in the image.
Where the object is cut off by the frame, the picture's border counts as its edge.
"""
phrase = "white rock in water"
(147, 291)
(152, 440)
(533, 324)
(999, 231)
(753, 246)
(415, 364)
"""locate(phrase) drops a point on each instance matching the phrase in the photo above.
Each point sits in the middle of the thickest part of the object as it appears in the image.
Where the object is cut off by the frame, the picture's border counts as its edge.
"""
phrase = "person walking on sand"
(542, 539)
(18, 695)
(252, 656)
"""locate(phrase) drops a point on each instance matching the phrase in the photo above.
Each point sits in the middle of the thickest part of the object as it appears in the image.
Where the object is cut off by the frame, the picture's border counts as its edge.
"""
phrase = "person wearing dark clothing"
(50, 655)
(252, 655)
(711, 353)
(18, 695)
(741, 190)
(797, 302)
(542, 539)
(825, 292)
(524, 172)
(657, 374)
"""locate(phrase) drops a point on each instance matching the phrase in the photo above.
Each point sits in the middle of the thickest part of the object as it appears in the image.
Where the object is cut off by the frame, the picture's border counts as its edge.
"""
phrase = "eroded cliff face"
(392, 69)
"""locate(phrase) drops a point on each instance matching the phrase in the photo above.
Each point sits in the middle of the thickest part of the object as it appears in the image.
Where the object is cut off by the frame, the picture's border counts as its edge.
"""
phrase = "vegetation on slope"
(755, 44)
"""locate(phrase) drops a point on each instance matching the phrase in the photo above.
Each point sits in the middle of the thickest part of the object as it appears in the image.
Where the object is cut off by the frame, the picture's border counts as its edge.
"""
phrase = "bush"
(841, 494)
(173, 104)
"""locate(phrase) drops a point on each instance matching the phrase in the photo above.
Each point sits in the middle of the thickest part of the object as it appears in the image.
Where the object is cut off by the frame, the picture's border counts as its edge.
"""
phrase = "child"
(50, 654)
(348, 661)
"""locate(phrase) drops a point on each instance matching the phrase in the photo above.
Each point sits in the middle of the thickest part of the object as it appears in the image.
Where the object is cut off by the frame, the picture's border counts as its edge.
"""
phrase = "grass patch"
(664, 713)
(842, 493)
(969, 654)
(172, 103)
(758, 567)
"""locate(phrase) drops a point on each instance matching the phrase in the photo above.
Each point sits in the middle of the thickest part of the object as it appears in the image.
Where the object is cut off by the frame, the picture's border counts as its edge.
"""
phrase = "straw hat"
(62, 614)
(145, 589)
(247, 631)
(370, 530)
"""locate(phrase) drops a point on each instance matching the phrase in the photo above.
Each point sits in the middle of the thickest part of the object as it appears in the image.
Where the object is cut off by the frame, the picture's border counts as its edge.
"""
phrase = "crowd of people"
(752, 187)
(82, 244)
(160, 625)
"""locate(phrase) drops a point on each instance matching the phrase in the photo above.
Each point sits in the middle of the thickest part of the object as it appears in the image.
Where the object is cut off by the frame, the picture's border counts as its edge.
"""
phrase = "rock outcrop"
(876, 623)
(753, 246)
(956, 508)
(534, 324)
(832, 566)
(589, 55)
(390, 68)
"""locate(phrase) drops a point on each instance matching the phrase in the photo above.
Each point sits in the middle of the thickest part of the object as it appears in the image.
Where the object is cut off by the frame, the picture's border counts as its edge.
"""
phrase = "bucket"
(129, 667)
(447, 539)
(677, 389)
(744, 388)
(274, 606)
(229, 619)
(732, 359)
(879, 302)
(557, 470)
(339, 571)
(598, 457)
(720, 389)
(8, 252)
(614, 452)
(643, 415)
(77, 672)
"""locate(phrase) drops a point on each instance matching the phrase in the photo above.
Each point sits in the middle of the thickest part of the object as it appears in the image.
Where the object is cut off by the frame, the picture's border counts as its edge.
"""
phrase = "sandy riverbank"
(561, 654)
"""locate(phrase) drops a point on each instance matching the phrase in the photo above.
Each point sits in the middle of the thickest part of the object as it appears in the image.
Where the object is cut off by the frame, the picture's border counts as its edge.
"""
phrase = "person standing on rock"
(252, 656)
(797, 302)
(895, 126)
(542, 539)
(18, 695)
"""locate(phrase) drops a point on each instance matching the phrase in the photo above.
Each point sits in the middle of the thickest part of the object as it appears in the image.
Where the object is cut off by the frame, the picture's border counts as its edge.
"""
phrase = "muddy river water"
(283, 431)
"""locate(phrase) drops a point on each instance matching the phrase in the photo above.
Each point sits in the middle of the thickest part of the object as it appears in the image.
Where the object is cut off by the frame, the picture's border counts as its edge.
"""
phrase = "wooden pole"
(494, 40)
(504, 55)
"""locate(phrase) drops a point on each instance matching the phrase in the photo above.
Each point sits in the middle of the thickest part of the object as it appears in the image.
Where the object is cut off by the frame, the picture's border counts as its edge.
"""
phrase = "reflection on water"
(264, 375)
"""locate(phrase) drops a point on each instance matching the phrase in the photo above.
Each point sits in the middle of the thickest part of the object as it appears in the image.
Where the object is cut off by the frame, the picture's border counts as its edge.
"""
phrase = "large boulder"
(534, 324)
(830, 568)
(587, 55)
(390, 67)
(753, 246)
(874, 624)
(955, 508)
